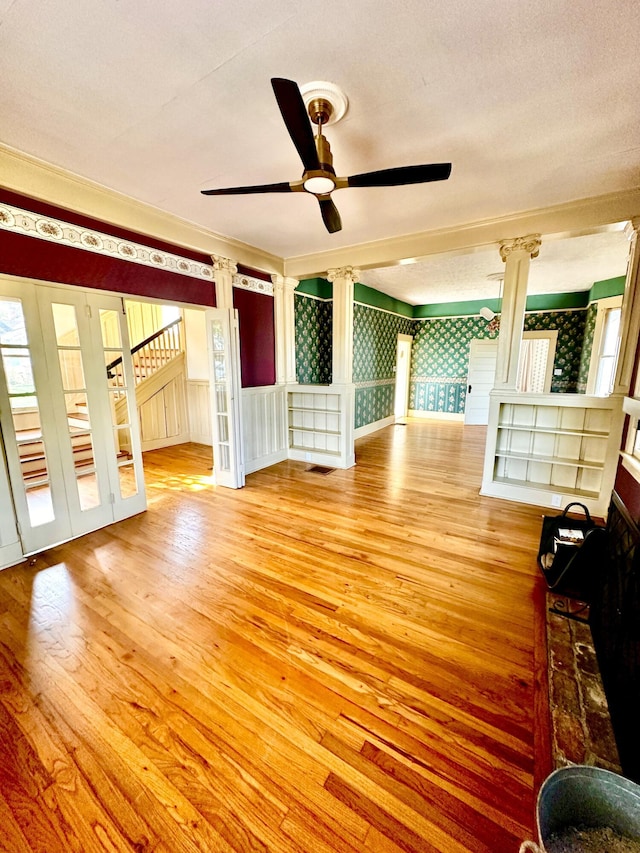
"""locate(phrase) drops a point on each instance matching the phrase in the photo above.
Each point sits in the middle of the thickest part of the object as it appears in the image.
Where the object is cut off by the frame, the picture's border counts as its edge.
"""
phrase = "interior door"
(480, 380)
(69, 427)
(29, 429)
(224, 370)
(403, 369)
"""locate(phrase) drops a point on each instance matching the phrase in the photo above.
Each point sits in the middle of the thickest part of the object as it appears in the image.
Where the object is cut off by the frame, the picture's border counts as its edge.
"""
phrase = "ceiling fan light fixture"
(319, 184)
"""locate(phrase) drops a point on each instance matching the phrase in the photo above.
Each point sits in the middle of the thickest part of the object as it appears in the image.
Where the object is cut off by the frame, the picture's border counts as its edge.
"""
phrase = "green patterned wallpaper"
(313, 318)
(441, 355)
(439, 362)
(375, 337)
(570, 326)
(587, 346)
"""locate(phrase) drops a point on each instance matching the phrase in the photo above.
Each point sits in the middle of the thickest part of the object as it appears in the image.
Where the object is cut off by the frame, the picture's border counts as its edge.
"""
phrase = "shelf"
(550, 460)
(315, 429)
(318, 450)
(321, 411)
(545, 487)
(554, 430)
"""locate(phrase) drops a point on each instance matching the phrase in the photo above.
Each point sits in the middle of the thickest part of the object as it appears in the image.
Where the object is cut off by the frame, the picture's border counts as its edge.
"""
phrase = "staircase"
(150, 359)
(159, 374)
(150, 355)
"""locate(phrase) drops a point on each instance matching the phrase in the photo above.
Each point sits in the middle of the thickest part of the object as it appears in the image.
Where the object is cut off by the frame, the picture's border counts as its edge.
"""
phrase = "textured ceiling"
(535, 104)
(563, 265)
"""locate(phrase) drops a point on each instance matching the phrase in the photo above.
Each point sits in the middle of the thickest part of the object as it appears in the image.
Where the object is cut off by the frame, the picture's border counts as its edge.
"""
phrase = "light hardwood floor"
(311, 664)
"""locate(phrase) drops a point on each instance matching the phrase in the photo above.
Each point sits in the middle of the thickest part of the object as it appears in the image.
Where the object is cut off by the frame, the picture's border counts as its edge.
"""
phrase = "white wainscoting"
(199, 408)
(264, 419)
(367, 429)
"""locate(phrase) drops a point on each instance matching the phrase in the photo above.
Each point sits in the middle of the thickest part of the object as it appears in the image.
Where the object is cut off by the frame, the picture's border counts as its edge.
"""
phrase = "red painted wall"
(31, 257)
(257, 337)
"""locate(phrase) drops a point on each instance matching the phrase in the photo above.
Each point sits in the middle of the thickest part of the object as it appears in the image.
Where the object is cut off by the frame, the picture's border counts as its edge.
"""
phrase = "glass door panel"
(28, 424)
(225, 395)
(78, 419)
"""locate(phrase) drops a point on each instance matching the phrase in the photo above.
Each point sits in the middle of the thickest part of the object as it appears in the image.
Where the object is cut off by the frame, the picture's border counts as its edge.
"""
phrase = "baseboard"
(439, 416)
(265, 461)
(201, 438)
(373, 427)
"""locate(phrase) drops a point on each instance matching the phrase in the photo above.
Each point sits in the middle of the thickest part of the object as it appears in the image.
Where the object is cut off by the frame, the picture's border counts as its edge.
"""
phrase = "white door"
(224, 362)
(74, 464)
(480, 380)
(403, 372)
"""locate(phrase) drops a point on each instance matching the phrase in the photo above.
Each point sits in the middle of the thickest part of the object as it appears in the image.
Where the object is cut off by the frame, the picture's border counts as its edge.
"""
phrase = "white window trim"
(594, 361)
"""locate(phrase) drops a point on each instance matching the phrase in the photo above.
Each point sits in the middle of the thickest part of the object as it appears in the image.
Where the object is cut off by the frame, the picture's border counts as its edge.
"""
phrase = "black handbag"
(571, 552)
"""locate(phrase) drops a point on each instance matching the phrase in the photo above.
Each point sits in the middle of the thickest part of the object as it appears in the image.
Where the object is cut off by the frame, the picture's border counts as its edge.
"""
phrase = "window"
(608, 353)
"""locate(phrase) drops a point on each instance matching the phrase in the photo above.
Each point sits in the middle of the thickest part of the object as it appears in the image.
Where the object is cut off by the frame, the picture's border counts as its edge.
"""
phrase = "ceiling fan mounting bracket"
(324, 101)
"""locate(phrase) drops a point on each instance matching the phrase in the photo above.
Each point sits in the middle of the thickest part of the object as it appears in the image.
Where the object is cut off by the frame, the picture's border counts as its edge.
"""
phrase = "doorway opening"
(403, 374)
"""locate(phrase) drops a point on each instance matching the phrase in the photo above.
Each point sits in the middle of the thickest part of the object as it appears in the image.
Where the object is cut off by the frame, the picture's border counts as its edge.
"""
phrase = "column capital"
(283, 282)
(530, 245)
(344, 272)
(224, 264)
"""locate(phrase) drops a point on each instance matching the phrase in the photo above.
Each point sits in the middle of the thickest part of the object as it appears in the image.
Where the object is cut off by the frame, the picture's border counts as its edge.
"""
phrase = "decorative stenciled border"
(374, 383)
(247, 282)
(56, 231)
(440, 380)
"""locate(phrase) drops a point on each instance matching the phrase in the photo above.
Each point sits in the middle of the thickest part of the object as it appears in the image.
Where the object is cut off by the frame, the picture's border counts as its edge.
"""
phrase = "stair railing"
(152, 353)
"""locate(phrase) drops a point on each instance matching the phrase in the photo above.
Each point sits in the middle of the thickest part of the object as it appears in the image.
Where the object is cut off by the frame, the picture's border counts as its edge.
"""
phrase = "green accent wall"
(319, 287)
(313, 319)
(375, 299)
(608, 287)
(375, 338)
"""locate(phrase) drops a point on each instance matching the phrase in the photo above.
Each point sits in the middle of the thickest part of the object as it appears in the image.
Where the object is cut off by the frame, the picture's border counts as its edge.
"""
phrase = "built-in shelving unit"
(314, 421)
(320, 424)
(552, 448)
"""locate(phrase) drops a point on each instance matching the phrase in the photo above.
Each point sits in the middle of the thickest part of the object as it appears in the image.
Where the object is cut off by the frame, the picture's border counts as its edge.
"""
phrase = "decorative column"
(630, 317)
(284, 307)
(343, 280)
(224, 270)
(516, 255)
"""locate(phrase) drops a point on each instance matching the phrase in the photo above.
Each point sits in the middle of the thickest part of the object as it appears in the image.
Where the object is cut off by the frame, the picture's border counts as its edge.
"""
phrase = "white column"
(630, 317)
(343, 280)
(224, 270)
(284, 308)
(516, 255)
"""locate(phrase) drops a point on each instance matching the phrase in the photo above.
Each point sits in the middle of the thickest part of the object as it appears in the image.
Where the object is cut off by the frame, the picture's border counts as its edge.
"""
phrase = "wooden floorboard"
(312, 663)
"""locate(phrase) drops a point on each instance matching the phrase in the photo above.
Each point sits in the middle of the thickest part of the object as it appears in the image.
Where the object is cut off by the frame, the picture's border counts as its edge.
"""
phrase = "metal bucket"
(586, 797)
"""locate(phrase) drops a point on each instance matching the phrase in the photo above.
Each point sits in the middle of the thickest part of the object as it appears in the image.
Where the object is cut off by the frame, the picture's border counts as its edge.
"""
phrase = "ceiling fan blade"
(330, 215)
(297, 121)
(259, 188)
(402, 175)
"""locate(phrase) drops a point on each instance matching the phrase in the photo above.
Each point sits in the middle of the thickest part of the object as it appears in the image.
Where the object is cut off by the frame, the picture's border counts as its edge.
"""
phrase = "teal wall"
(313, 319)
(375, 338)
(439, 362)
(442, 335)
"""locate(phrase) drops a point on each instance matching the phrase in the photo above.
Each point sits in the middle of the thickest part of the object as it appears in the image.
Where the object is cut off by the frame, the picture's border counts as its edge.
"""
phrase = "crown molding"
(36, 178)
(573, 218)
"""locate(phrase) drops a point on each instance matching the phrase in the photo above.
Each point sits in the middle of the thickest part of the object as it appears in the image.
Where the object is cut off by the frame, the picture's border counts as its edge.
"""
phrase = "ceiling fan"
(319, 177)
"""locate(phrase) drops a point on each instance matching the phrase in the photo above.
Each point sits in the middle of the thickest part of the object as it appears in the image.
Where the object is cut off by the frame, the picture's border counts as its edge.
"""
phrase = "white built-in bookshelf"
(320, 425)
(550, 449)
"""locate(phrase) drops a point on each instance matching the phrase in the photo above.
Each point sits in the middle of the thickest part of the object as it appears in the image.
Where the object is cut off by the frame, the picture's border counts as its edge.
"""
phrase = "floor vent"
(320, 469)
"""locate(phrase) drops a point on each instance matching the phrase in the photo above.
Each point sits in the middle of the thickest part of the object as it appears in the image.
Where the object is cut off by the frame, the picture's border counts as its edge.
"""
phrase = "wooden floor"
(310, 664)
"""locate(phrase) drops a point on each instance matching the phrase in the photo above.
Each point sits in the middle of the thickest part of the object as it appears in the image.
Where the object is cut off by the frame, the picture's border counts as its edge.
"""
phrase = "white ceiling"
(570, 264)
(535, 104)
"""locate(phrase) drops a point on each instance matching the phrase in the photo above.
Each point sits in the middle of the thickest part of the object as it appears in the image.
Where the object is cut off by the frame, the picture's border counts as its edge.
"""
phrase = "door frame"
(403, 377)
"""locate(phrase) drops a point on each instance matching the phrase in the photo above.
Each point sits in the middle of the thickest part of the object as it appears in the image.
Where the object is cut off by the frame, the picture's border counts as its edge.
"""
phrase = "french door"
(224, 370)
(68, 418)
